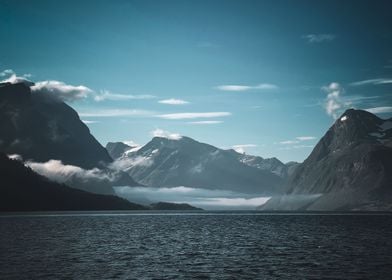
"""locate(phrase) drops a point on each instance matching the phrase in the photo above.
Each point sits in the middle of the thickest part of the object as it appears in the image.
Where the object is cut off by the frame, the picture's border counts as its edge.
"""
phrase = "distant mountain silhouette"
(167, 162)
(172, 206)
(349, 169)
(21, 189)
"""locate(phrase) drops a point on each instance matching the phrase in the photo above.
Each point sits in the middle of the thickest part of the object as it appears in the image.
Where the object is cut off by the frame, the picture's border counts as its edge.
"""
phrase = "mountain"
(172, 206)
(349, 169)
(22, 189)
(45, 130)
(116, 149)
(167, 162)
(40, 128)
(273, 165)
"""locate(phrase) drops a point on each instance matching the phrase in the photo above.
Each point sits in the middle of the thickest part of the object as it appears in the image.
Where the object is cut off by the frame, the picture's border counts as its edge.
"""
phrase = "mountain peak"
(359, 115)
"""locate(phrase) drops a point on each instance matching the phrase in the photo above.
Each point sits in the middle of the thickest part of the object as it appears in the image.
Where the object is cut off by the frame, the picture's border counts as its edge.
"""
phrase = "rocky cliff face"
(41, 128)
(349, 169)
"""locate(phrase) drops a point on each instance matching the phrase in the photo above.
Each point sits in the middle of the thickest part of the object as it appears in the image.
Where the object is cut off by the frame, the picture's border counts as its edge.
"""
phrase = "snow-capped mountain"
(349, 169)
(167, 162)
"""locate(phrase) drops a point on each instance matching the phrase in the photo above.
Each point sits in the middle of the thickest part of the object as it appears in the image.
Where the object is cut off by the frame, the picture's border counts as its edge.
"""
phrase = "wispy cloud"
(107, 95)
(297, 140)
(333, 102)
(288, 142)
(305, 138)
(380, 110)
(297, 147)
(6, 72)
(181, 116)
(206, 122)
(378, 81)
(89, 122)
(115, 113)
(241, 148)
(62, 90)
(173, 101)
(165, 134)
(247, 87)
(319, 38)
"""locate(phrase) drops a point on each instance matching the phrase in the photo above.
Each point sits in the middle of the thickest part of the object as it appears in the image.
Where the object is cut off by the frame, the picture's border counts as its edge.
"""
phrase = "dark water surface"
(195, 246)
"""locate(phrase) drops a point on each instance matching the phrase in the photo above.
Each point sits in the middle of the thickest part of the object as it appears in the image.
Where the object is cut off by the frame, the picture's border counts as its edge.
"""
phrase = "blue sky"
(267, 77)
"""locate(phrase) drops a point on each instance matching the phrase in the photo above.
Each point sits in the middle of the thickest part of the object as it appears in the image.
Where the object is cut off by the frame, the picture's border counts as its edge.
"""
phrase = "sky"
(264, 77)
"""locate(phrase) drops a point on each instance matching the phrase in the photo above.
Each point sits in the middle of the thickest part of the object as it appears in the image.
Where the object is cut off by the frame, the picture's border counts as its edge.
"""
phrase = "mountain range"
(63, 165)
(165, 162)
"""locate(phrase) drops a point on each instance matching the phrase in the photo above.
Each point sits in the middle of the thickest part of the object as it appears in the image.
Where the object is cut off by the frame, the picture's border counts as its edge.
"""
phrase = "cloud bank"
(199, 197)
(62, 91)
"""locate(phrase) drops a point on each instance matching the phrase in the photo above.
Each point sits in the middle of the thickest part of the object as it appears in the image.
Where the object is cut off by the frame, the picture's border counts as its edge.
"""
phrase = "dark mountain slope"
(40, 127)
(21, 189)
(349, 169)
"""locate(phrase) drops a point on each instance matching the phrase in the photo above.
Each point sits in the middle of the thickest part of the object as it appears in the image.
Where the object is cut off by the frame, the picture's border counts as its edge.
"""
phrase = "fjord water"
(199, 245)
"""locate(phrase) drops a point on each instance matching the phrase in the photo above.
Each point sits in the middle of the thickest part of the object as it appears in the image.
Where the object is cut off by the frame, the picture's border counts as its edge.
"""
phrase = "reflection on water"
(195, 245)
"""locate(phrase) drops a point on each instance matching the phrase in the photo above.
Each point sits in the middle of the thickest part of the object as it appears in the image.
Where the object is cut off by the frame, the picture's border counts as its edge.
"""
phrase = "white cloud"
(131, 143)
(181, 116)
(15, 157)
(380, 110)
(89, 122)
(165, 134)
(65, 173)
(378, 81)
(62, 91)
(173, 101)
(247, 88)
(241, 148)
(13, 79)
(206, 122)
(319, 38)
(115, 113)
(333, 102)
(298, 139)
(297, 147)
(305, 138)
(288, 142)
(6, 72)
(107, 95)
